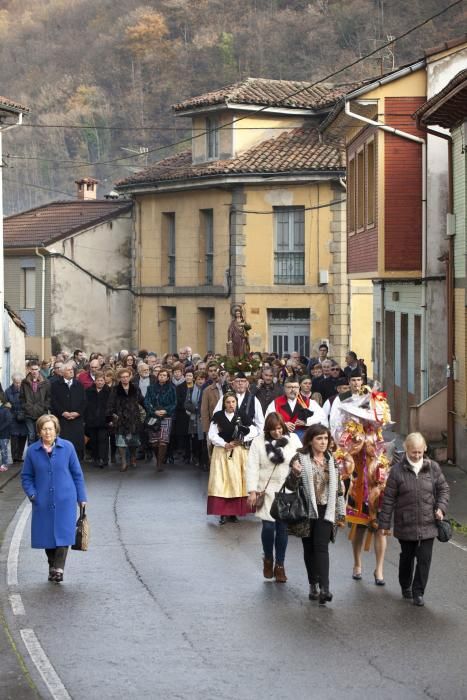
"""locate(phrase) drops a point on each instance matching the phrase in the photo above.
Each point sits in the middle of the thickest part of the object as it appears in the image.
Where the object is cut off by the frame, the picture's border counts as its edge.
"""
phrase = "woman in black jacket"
(417, 494)
(125, 412)
(95, 419)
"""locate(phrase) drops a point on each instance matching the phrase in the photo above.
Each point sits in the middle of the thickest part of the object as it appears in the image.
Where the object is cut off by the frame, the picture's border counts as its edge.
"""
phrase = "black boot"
(324, 597)
(314, 591)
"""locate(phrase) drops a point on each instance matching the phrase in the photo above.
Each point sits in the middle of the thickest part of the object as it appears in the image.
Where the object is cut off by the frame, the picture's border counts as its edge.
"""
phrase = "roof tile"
(298, 150)
(43, 225)
(270, 93)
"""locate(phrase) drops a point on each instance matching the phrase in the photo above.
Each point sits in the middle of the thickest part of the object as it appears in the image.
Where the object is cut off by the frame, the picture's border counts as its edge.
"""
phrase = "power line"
(261, 109)
(38, 187)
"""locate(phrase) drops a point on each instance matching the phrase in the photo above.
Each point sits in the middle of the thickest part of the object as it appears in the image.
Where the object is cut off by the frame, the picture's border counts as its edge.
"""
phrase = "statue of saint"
(238, 343)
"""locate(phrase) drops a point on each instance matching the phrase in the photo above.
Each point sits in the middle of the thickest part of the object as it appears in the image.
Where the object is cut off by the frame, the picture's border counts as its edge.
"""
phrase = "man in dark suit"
(68, 401)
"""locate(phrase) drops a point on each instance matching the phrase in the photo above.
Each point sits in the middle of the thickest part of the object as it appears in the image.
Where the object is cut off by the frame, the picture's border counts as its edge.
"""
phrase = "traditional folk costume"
(227, 491)
(301, 408)
(361, 456)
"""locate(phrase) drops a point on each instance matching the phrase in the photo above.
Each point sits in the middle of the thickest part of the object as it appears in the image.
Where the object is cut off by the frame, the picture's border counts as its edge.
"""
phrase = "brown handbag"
(261, 495)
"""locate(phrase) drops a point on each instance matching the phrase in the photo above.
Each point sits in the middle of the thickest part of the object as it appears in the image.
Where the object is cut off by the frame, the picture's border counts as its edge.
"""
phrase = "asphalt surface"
(167, 604)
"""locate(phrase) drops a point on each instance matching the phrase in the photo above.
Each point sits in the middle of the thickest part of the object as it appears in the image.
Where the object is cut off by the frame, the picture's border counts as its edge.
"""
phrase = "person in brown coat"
(417, 494)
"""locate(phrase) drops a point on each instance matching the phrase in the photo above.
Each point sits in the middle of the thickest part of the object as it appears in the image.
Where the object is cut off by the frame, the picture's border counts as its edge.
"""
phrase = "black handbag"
(82, 531)
(289, 507)
(443, 526)
(444, 530)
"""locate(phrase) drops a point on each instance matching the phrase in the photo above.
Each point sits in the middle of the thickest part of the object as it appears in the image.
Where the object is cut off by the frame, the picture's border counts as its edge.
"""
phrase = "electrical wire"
(261, 109)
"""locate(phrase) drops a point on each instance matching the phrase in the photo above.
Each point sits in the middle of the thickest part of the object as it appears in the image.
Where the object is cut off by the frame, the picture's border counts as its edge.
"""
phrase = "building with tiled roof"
(263, 92)
(251, 216)
(68, 272)
(51, 222)
(397, 240)
(298, 151)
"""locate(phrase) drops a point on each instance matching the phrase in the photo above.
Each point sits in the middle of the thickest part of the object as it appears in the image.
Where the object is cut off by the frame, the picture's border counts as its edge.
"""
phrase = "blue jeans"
(4, 450)
(274, 536)
(31, 428)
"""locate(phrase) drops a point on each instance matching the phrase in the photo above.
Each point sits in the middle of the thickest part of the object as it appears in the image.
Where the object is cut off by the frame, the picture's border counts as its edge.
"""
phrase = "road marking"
(43, 665)
(13, 552)
(456, 544)
(16, 604)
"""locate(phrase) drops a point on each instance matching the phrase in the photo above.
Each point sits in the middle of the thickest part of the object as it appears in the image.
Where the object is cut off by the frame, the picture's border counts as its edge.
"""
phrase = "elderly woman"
(142, 380)
(160, 404)
(315, 473)
(18, 430)
(124, 413)
(227, 492)
(53, 481)
(267, 468)
(417, 494)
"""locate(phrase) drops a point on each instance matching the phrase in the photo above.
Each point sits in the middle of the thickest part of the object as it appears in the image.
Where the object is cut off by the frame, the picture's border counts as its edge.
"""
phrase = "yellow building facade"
(253, 215)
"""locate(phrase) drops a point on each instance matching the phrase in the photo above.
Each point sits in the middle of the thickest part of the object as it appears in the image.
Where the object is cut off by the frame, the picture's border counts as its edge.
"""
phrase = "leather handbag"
(261, 495)
(289, 507)
(82, 531)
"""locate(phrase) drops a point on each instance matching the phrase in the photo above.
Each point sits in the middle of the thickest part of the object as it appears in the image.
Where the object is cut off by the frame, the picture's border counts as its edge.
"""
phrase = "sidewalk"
(15, 681)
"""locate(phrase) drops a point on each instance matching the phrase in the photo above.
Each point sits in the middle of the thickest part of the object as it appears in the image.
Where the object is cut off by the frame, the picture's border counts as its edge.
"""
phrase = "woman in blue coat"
(53, 481)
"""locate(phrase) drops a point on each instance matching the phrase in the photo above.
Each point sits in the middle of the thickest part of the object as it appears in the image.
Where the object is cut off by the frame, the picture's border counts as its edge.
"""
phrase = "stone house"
(253, 215)
(68, 272)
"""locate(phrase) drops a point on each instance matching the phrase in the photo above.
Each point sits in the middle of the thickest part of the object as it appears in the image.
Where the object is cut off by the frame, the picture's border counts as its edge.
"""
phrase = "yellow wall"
(199, 138)
(189, 256)
(257, 290)
(251, 130)
(361, 313)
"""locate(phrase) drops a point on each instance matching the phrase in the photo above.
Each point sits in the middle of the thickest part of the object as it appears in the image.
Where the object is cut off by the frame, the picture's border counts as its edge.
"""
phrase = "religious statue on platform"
(238, 343)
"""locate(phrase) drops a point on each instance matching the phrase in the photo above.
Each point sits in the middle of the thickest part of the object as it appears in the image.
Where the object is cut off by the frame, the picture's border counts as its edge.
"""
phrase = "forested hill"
(83, 66)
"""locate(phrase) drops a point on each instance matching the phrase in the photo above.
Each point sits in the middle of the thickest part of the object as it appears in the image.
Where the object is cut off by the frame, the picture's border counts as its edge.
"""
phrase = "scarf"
(416, 466)
(274, 450)
(177, 382)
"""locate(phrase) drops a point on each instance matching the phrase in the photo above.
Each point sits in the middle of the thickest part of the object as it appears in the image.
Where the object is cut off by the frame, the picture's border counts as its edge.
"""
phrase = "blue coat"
(57, 484)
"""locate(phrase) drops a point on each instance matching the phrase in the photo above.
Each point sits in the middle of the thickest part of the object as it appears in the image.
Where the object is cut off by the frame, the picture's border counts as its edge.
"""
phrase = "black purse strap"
(82, 511)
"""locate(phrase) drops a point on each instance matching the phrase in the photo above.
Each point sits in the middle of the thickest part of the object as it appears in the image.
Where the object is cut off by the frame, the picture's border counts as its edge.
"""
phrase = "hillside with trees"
(100, 76)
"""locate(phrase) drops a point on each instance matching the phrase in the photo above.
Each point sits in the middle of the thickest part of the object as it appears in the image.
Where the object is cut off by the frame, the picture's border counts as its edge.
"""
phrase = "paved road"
(166, 604)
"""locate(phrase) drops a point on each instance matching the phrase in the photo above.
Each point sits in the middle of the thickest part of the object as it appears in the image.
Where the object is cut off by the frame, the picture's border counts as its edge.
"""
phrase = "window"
(212, 138)
(207, 236)
(28, 288)
(370, 184)
(289, 330)
(168, 246)
(351, 195)
(289, 254)
(360, 189)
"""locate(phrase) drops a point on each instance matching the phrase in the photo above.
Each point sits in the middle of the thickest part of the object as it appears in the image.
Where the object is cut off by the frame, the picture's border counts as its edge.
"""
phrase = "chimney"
(87, 188)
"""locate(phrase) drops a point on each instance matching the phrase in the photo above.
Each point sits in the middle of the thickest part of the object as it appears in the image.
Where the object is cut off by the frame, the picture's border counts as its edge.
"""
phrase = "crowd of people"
(281, 425)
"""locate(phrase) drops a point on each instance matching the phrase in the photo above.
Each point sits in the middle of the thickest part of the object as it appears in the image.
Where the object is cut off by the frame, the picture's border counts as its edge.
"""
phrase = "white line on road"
(456, 544)
(43, 665)
(16, 603)
(13, 552)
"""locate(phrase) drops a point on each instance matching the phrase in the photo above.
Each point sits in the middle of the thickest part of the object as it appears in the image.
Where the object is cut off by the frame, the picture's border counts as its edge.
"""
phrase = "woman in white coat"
(267, 467)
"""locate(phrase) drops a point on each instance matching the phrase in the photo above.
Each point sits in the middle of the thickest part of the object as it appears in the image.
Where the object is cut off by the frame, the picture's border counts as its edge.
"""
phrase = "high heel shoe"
(379, 581)
(357, 575)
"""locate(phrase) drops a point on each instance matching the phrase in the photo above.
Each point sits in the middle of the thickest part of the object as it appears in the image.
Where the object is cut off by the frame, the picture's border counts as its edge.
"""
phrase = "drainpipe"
(42, 304)
(2, 275)
(422, 142)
